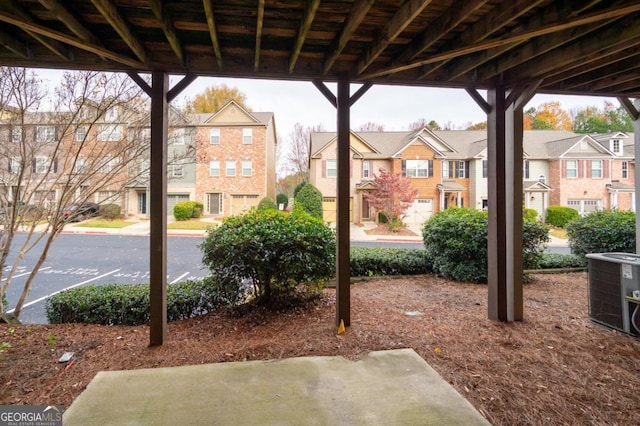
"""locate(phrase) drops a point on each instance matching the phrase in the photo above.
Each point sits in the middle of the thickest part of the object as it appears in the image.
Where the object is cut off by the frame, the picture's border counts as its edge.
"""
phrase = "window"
(596, 168)
(457, 169)
(625, 170)
(178, 136)
(109, 164)
(45, 133)
(445, 169)
(542, 179)
(16, 134)
(366, 169)
(461, 169)
(526, 169)
(214, 168)
(485, 168)
(230, 167)
(81, 133)
(41, 165)
(110, 133)
(80, 166)
(177, 170)
(418, 168)
(111, 114)
(616, 146)
(332, 168)
(247, 136)
(247, 169)
(15, 165)
(214, 136)
(572, 168)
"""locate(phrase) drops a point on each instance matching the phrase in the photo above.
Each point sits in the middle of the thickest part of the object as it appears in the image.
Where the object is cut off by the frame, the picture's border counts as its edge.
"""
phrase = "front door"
(366, 209)
(142, 202)
(215, 203)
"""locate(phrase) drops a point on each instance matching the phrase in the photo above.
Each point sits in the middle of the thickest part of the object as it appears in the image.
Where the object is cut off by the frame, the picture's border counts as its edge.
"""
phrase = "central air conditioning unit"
(614, 283)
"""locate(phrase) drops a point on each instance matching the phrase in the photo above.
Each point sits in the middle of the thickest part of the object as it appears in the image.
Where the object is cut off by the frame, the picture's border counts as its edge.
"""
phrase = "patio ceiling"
(568, 46)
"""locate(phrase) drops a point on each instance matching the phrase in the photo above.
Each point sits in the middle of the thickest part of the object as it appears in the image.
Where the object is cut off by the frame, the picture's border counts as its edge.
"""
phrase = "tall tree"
(591, 119)
(550, 116)
(49, 159)
(422, 123)
(370, 126)
(215, 97)
(298, 154)
(392, 195)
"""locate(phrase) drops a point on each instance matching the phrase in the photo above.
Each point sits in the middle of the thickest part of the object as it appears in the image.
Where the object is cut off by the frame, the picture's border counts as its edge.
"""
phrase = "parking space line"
(27, 273)
(67, 288)
(179, 278)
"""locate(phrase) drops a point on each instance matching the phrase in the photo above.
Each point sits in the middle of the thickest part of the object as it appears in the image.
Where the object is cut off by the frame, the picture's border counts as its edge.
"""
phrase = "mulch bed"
(554, 368)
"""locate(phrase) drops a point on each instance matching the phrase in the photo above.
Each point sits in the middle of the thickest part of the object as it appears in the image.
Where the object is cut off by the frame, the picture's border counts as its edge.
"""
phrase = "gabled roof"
(535, 185)
(572, 147)
(252, 117)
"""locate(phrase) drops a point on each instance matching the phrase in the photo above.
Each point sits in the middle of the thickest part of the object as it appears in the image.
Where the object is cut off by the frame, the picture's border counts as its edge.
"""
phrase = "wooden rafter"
(259, 24)
(403, 17)
(65, 38)
(307, 19)
(503, 15)
(551, 27)
(569, 53)
(451, 18)
(168, 29)
(67, 18)
(110, 12)
(213, 32)
(14, 45)
(357, 14)
(625, 75)
(58, 49)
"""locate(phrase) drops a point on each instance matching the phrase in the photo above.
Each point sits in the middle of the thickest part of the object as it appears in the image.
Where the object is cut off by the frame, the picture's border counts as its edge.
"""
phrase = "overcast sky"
(393, 106)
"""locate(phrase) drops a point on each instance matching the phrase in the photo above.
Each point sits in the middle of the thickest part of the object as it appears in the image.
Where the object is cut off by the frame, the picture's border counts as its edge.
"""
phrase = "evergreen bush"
(267, 203)
(282, 199)
(298, 188)
(110, 211)
(375, 261)
(603, 231)
(559, 216)
(309, 199)
(270, 251)
(183, 210)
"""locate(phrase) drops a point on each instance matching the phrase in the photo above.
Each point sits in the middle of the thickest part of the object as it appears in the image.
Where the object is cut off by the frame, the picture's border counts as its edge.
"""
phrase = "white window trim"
(214, 136)
(334, 168)
(575, 168)
(366, 169)
(227, 169)
(414, 172)
(177, 170)
(250, 168)
(211, 169)
(599, 169)
(625, 170)
(247, 136)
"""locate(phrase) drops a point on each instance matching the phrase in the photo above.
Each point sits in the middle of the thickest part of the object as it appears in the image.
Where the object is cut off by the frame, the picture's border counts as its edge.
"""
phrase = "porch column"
(343, 284)
(158, 208)
(633, 109)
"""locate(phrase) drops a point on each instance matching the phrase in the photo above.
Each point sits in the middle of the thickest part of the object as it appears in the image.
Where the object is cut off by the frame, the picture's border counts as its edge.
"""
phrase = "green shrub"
(282, 199)
(298, 188)
(603, 231)
(183, 210)
(272, 250)
(559, 216)
(267, 204)
(370, 261)
(110, 211)
(198, 208)
(128, 304)
(530, 215)
(456, 244)
(310, 200)
(561, 260)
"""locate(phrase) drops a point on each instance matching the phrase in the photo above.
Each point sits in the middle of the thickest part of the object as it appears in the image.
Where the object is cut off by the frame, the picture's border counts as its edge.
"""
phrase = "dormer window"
(111, 114)
(616, 146)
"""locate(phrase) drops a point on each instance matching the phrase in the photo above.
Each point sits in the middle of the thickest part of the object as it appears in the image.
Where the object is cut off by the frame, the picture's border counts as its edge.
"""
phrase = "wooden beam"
(477, 97)
(359, 93)
(614, 79)
(158, 209)
(398, 23)
(64, 38)
(549, 28)
(501, 16)
(326, 92)
(70, 21)
(169, 30)
(110, 12)
(213, 32)
(259, 25)
(14, 45)
(307, 19)
(629, 107)
(180, 86)
(12, 6)
(140, 82)
(457, 12)
(357, 14)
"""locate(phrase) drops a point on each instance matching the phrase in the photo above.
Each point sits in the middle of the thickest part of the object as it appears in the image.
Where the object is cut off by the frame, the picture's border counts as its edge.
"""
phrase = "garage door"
(420, 210)
(329, 209)
(241, 204)
(173, 199)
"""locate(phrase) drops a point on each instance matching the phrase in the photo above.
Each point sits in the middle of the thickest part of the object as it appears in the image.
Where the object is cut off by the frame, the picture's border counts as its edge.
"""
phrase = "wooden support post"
(158, 203)
(504, 149)
(633, 109)
(343, 282)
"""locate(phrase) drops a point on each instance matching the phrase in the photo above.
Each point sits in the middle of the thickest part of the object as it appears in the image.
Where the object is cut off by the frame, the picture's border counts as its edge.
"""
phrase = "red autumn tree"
(392, 195)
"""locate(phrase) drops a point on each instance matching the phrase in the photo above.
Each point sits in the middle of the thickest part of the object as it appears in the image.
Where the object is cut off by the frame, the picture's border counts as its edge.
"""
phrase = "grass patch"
(104, 223)
(191, 224)
(558, 233)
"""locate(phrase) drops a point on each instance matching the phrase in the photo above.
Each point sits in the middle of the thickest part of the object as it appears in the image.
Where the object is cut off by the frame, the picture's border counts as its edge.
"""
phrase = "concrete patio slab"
(394, 387)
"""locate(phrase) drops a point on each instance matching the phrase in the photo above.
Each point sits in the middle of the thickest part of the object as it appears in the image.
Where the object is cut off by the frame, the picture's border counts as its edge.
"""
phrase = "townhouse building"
(449, 168)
